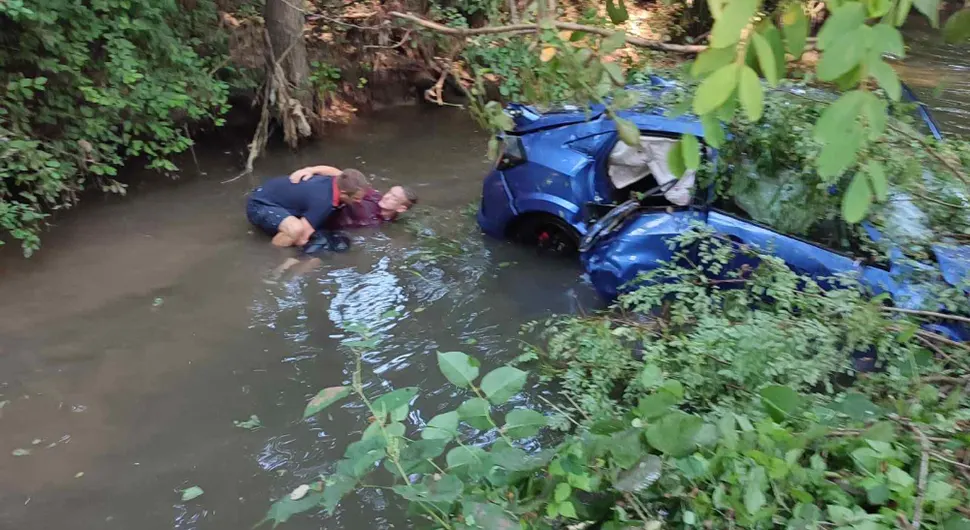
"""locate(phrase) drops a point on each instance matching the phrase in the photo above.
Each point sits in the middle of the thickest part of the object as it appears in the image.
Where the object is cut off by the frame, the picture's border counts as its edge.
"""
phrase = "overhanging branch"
(532, 28)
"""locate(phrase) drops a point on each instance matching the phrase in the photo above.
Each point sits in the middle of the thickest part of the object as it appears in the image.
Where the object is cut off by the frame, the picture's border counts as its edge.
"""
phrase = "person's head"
(352, 185)
(397, 200)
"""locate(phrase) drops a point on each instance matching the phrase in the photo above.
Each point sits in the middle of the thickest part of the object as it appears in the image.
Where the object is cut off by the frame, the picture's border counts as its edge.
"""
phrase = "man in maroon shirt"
(373, 209)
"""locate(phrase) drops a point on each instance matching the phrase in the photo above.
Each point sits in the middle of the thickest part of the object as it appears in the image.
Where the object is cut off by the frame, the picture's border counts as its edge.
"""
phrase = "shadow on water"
(146, 326)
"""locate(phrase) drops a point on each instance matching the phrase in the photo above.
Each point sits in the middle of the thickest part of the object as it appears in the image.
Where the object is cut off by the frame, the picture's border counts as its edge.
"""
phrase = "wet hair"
(350, 181)
(410, 195)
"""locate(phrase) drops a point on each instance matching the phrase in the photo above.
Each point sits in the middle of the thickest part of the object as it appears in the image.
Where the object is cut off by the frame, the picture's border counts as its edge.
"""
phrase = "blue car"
(564, 181)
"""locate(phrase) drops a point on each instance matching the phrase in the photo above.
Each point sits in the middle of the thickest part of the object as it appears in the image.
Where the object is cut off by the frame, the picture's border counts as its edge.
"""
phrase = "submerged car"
(564, 181)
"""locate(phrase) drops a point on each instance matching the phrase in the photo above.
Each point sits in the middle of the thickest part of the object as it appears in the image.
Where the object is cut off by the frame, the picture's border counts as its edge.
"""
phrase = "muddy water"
(939, 73)
(147, 325)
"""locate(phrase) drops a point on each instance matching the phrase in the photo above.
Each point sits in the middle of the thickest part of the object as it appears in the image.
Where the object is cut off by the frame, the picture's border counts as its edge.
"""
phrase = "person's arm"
(308, 172)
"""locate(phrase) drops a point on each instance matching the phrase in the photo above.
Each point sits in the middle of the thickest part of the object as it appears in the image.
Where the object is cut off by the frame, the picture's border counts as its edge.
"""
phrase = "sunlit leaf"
(839, 154)
(674, 433)
(459, 368)
(501, 384)
(845, 54)
(629, 133)
(615, 73)
(838, 116)
(734, 17)
(842, 21)
(716, 89)
(887, 39)
(856, 201)
(774, 38)
(780, 401)
(325, 398)
(795, 29)
(641, 476)
(443, 426)
(191, 493)
(652, 376)
(675, 160)
(766, 59)
(751, 94)
(712, 59)
(754, 497)
(617, 12)
(902, 12)
(523, 423)
(878, 8)
(930, 8)
(957, 27)
(394, 403)
(548, 53)
(886, 77)
(612, 43)
(877, 178)
(475, 413)
(713, 132)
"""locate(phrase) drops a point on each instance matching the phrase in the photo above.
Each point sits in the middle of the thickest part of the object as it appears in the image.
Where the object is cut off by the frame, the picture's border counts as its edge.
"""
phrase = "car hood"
(528, 118)
(954, 263)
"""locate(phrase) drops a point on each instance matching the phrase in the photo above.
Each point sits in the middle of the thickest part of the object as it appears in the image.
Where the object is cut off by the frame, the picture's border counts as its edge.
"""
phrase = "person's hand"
(302, 174)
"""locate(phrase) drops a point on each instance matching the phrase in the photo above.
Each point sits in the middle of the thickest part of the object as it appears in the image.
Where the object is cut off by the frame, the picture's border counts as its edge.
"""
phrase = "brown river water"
(149, 323)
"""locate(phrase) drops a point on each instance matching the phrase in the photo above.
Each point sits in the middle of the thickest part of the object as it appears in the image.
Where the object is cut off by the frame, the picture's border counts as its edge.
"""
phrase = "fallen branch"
(926, 313)
(924, 468)
(942, 458)
(532, 28)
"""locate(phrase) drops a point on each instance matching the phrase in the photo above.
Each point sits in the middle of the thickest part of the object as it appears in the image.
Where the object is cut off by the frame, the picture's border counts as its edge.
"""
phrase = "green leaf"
(858, 407)
(902, 12)
(838, 155)
(325, 398)
(856, 201)
(938, 491)
(729, 435)
(615, 73)
(887, 39)
(877, 178)
(899, 480)
(878, 495)
(656, 405)
(674, 433)
(441, 427)
(712, 59)
(751, 94)
(475, 413)
(878, 8)
(876, 112)
(523, 423)
(394, 403)
(773, 36)
(766, 60)
(883, 431)
(563, 491)
(566, 509)
(467, 459)
(641, 476)
(780, 401)
(716, 89)
(734, 17)
(488, 516)
(191, 493)
(282, 510)
(515, 459)
(843, 21)
(251, 424)
(839, 116)
(460, 369)
(502, 383)
(691, 149)
(628, 132)
(886, 77)
(930, 8)
(415, 456)
(754, 499)
(675, 160)
(795, 29)
(845, 54)
(616, 12)
(446, 489)
(713, 132)
(651, 376)
(839, 514)
(612, 43)
(957, 27)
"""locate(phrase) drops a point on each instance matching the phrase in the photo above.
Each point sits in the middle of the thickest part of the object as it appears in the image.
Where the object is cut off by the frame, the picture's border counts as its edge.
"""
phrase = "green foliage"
(84, 87)
(721, 397)
(324, 78)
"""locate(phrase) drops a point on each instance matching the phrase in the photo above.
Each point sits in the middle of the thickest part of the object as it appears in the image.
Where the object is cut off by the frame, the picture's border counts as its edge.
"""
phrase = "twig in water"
(924, 468)
(561, 411)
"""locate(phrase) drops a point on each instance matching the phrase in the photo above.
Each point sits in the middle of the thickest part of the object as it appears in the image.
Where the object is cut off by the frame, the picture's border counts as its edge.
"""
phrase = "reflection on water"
(939, 73)
(166, 333)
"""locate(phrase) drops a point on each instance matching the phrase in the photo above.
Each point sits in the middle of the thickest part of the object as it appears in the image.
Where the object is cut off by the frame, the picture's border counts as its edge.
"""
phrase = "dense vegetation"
(712, 396)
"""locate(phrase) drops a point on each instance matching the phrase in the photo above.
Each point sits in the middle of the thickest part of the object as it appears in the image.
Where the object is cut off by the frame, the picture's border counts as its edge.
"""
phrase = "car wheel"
(547, 233)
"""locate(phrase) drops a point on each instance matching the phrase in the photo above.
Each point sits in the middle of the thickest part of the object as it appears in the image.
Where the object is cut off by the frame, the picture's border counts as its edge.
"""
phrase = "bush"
(85, 87)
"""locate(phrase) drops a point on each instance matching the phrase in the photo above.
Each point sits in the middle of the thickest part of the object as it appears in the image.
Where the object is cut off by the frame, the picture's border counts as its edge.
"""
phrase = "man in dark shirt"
(291, 213)
(373, 209)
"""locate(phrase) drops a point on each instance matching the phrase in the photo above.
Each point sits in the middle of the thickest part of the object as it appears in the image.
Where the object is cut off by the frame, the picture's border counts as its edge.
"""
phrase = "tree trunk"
(284, 21)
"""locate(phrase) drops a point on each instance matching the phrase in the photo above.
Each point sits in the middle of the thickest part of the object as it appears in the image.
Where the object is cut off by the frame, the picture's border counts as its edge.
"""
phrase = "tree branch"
(926, 314)
(924, 467)
(932, 150)
(532, 28)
